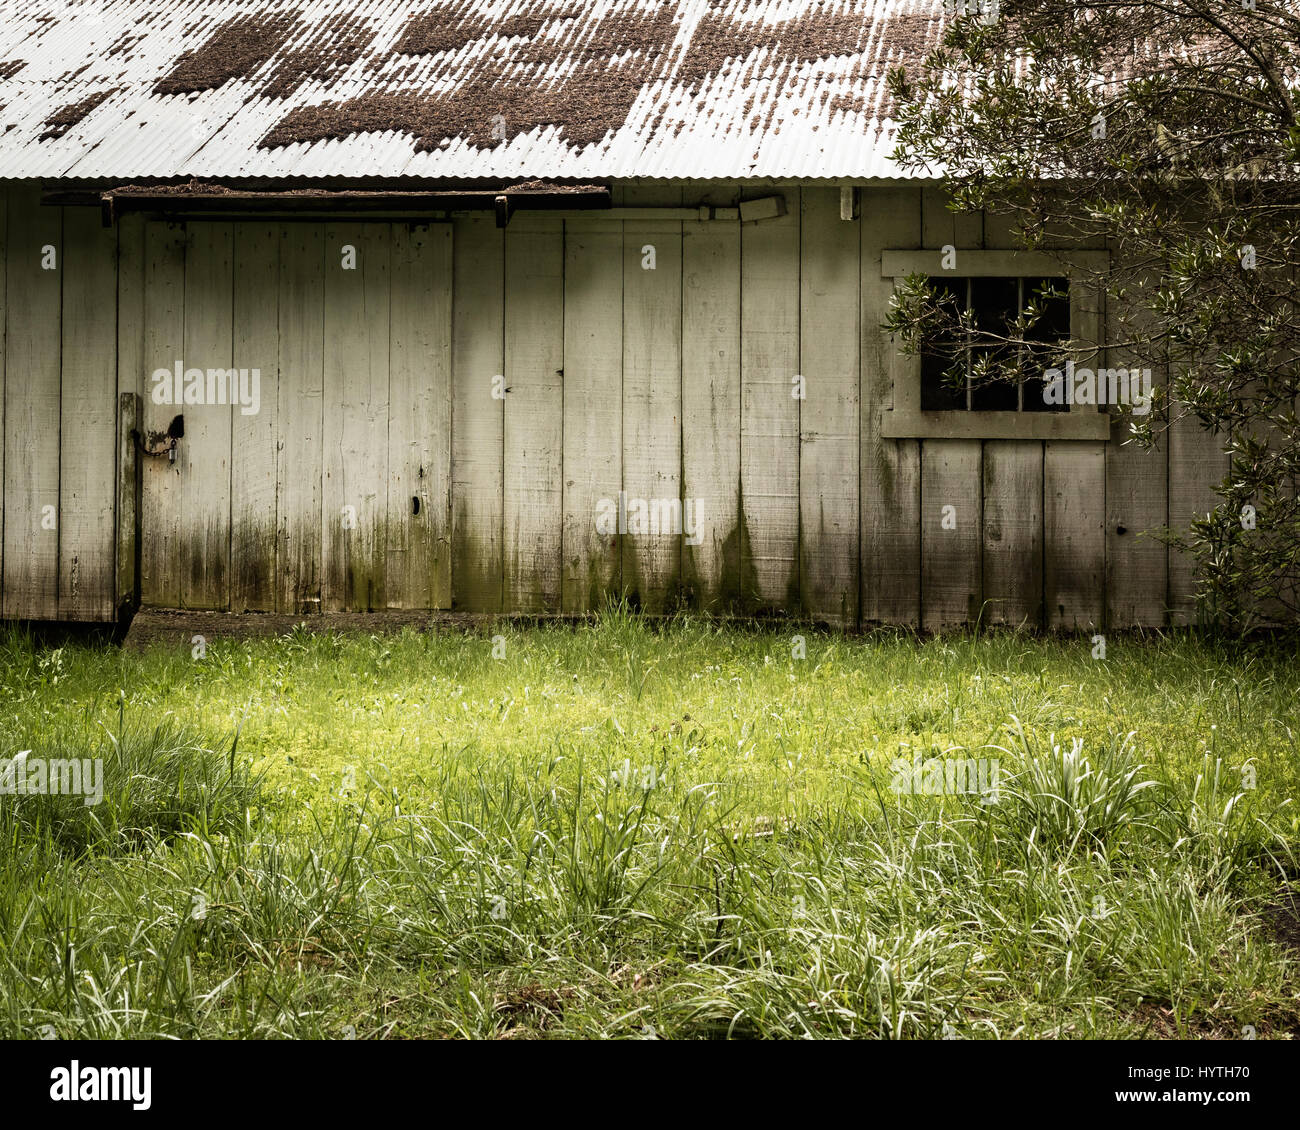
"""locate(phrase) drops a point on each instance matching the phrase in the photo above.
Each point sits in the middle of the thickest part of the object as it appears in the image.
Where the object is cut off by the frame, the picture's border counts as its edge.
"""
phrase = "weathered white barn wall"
(58, 419)
(445, 408)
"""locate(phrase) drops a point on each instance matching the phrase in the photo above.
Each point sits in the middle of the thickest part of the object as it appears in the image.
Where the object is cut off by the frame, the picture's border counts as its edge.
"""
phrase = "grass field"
(636, 830)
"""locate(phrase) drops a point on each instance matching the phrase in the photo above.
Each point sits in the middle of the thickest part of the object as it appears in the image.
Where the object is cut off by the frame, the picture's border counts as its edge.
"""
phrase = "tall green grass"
(153, 782)
(649, 830)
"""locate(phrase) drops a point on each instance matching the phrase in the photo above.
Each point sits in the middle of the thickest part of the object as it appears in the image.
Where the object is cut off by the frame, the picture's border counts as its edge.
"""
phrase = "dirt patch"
(433, 32)
(11, 68)
(532, 1004)
(58, 123)
(328, 49)
(236, 50)
(562, 68)
(547, 187)
(188, 188)
(504, 97)
(489, 109)
(1159, 1021)
(125, 43)
(816, 34)
(1283, 919)
(196, 187)
(552, 65)
(522, 25)
(296, 51)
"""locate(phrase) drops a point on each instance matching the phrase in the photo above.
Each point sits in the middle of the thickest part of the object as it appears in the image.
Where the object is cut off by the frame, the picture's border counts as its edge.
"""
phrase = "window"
(994, 286)
(994, 304)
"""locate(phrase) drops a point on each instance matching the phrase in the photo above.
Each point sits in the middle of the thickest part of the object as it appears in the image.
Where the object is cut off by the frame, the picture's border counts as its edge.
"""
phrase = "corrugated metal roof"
(494, 89)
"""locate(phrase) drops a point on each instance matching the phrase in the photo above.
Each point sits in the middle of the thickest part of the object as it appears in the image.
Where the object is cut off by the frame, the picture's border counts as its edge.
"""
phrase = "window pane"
(938, 393)
(994, 303)
(1052, 326)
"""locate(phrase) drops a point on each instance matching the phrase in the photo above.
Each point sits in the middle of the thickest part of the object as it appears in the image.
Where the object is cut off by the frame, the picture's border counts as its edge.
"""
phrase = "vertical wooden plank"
(88, 407)
(410, 333)
(940, 227)
(132, 381)
(438, 474)
(769, 443)
(829, 445)
(164, 349)
(202, 514)
(533, 469)
(419, 419)
(478, 418)
(132, 372)
(1137, 501)
(255, 418)
(355, 490)
(593, 408)
(6, 191)
(891, 469)
(1074, 504)
(711, 403)
(1197, 465)
(951, 470)
(299, 475)
(127, 532)
(31, 422)
(652, 403)
(951, 589)
(1013, 532)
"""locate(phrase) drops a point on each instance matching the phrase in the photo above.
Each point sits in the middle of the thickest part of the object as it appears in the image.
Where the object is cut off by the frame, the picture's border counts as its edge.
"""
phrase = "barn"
(515, 305)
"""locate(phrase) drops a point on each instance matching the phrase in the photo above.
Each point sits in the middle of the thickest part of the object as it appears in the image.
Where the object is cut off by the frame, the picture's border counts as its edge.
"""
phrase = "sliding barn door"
(296, 389)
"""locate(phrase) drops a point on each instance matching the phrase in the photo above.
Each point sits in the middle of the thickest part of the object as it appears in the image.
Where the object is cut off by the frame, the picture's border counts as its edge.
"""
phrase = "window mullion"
(1020, 349)
(967, 351)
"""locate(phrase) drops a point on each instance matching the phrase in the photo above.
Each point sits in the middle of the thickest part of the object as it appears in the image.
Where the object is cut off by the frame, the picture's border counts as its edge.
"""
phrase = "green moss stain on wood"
(478, 327)
(255, 427)
(202, 496)
(300, 414)
(533, 437)
(356, 369)
(711, 399)
(829, 440)
(593, 407)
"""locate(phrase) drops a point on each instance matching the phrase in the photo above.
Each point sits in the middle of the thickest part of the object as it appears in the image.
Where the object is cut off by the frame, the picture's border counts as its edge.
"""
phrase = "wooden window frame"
(905, 420)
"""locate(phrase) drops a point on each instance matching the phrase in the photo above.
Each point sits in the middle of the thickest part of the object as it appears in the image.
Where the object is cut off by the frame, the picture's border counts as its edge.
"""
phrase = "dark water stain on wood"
(253, 547)
(723, 593)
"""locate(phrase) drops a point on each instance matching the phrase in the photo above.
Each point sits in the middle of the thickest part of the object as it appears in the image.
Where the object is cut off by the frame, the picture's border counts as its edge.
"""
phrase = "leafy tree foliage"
(1167, 132)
